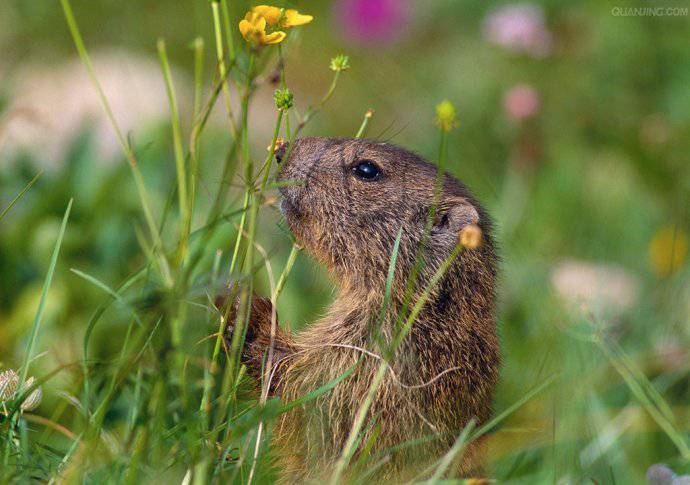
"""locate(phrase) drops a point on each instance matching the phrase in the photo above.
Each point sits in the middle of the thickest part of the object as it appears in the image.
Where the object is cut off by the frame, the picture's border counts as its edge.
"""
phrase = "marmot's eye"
(366, 170)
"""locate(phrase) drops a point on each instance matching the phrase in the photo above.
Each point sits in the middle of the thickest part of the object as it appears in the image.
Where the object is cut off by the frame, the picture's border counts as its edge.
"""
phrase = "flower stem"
(365, 123)
(315, 109)
(220, 56)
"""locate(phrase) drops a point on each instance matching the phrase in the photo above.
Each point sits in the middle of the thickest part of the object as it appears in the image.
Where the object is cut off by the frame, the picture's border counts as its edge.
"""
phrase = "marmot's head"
(346, 199)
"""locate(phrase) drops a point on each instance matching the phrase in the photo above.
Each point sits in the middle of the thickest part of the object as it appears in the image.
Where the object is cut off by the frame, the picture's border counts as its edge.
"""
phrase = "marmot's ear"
(452, 215)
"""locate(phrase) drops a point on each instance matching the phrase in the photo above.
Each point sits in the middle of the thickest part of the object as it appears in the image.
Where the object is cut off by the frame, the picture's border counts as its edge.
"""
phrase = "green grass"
(127, 344)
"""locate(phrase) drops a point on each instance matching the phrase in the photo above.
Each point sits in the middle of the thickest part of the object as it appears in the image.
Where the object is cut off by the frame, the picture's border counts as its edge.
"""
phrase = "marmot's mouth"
(290, 205)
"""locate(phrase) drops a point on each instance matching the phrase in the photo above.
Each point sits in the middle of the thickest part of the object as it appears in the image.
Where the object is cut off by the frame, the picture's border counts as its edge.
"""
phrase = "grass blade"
(19, 196)
(644, 392)
(44, 295)
(456, 450)
(183, 199)
(512, 408)
(116, 296)
(389, 277)
(320, 390)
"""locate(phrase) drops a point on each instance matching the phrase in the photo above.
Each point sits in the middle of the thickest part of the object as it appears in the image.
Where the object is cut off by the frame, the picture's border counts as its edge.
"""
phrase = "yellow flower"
(446, 116)
(253, 26)
(253, 29)
(271, 14)
(284, 18)
(668, 250)
(293, 18)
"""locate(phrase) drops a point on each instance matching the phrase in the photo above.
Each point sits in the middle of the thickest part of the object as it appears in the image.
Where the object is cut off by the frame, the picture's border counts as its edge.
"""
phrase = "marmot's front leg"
(258, 339)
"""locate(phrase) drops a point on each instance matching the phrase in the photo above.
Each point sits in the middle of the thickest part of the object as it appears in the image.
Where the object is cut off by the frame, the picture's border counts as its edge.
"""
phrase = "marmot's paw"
(259, 318)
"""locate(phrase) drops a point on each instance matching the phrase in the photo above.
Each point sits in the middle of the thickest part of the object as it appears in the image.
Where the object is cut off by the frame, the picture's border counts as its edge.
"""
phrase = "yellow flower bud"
(471, 236)
(446, 116)
(341, 62)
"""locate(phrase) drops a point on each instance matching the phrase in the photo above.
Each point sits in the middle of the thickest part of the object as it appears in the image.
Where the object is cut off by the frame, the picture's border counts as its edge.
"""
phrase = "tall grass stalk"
(292, 257)
(228, 31)
(243, 312)
(220, 57)
(198, 48)
(211, 370)
(181, 169)
(126, 148)
(266, 384)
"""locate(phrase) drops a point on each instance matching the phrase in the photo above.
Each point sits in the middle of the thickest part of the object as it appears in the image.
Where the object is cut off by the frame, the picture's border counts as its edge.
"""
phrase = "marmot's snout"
(297, 163)
(292, 178)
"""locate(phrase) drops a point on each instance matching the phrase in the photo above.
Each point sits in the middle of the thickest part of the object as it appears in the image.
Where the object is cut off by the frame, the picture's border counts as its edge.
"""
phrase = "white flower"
(51, 104)
(9, 382)
(9, 385)
(34, 399)
(600, 287)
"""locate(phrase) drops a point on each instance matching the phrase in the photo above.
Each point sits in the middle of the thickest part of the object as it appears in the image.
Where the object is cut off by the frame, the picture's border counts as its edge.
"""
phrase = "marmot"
(345, 201)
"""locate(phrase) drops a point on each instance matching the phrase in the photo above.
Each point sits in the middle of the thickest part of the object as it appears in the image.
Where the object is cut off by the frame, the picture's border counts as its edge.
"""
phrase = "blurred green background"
(574, 131)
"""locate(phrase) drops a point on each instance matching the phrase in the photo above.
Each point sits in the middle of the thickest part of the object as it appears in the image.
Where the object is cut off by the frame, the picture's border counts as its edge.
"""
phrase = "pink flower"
(519, 28)
(372, 21)
(595, 286)
(521, 102)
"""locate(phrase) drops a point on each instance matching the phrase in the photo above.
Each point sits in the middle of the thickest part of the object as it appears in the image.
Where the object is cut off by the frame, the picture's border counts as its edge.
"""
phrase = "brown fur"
(350, 226)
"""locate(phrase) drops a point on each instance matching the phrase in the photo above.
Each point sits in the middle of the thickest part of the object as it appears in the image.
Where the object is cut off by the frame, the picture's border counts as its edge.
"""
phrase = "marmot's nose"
(281, 149)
